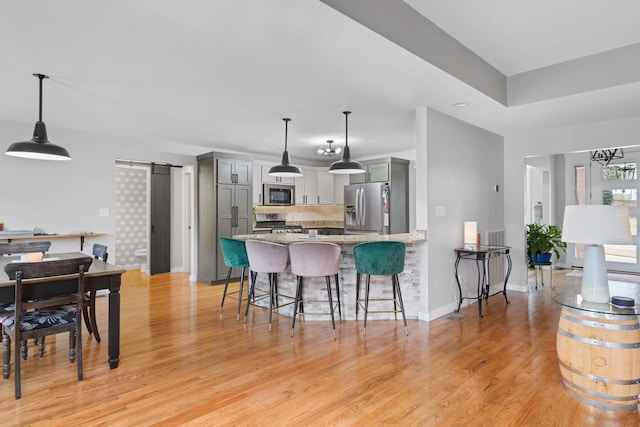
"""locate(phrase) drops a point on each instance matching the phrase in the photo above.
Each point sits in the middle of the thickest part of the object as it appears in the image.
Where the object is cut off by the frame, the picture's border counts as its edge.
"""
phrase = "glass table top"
(576, 301)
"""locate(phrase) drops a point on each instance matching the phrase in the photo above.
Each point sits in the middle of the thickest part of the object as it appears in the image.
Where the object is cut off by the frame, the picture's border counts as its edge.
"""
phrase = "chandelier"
(605, 156)
(328, 150)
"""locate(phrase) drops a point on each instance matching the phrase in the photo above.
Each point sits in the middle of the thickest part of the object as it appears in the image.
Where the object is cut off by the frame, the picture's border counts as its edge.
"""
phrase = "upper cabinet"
(234, 171)
(257, 185)
(376, 171)
(316, 186)
(274, 179)
(307, 187)
(339, 181)
(326, 189)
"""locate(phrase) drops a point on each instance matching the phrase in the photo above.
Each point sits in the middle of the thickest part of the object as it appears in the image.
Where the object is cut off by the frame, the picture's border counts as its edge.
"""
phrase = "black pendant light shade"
(346, 165)
(39, 146)
(284, 168)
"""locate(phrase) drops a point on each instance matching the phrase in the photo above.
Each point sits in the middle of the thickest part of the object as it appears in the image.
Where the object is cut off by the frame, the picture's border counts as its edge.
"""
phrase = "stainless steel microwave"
(278, 194)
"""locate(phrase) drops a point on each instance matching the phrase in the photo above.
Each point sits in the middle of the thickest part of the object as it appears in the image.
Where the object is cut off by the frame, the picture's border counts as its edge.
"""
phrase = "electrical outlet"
(441, 211)
(104, 212)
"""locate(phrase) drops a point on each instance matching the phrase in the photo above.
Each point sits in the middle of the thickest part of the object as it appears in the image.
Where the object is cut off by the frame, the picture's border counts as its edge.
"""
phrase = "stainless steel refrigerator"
(366, 208)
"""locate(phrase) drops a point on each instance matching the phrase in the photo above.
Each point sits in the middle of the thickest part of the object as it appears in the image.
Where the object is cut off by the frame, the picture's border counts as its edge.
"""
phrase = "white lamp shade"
(596, 224)
(470, 232)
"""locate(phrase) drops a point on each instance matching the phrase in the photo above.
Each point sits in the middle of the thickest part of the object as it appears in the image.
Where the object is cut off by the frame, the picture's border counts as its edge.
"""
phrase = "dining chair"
(380, 259)
(22, 247)
(234, 253)
(315, 259)
(37, 318)
(89, 309)
(270, 258)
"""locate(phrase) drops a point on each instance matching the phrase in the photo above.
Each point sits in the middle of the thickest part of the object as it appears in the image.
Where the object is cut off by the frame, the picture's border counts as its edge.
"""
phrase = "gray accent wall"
(464, 164)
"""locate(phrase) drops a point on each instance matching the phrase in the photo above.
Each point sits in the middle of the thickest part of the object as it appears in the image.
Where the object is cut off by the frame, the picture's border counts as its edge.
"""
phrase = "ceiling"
(206, 75)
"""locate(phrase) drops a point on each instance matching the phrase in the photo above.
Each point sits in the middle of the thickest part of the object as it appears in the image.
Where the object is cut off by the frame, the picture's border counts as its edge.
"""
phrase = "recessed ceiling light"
(460, 104)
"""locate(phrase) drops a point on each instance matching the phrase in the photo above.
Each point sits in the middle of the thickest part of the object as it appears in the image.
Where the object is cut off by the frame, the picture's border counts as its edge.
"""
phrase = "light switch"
(104, 212)
(441, 211)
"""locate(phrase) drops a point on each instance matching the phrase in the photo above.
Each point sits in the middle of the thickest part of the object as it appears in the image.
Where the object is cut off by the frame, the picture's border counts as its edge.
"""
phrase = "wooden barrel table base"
(599, 357)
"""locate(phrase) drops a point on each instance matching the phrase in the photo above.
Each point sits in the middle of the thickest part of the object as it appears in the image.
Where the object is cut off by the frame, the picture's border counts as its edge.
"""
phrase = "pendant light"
(39, 146)
(346, 165)
(285, 169)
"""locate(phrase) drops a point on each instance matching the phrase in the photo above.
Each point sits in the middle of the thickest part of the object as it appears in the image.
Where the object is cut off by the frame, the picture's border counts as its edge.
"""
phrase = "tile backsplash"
(307, 216)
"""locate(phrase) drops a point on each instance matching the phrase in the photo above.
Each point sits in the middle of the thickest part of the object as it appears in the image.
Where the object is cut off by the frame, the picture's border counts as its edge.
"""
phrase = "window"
(620, 196)
(620, 171)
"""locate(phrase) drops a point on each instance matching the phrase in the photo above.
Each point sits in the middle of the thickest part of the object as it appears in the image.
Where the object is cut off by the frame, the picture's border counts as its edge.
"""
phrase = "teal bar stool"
(235, 256)
(380, 259)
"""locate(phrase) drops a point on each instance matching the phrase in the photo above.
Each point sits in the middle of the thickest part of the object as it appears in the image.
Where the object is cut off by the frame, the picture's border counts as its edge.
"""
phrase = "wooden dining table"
(100, 276)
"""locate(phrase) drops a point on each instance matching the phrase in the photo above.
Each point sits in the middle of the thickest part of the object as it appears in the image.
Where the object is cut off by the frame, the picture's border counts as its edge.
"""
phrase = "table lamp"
(470, 233)
(594, 226)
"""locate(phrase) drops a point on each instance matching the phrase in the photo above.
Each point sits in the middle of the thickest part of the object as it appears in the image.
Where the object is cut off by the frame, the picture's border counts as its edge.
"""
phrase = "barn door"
(160, 247)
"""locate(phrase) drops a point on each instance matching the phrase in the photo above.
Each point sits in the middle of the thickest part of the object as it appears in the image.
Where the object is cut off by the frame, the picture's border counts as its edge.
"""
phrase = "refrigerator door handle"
(363, 213)
(358, 221)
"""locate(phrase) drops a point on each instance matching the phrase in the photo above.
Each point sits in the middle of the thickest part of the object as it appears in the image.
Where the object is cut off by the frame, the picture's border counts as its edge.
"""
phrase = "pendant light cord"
(346, 127)
(286, 131)
(41, 77)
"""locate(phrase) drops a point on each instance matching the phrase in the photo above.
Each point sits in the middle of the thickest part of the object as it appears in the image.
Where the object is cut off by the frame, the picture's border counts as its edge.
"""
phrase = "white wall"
(619, 133)
(62, 197)
(464, 164)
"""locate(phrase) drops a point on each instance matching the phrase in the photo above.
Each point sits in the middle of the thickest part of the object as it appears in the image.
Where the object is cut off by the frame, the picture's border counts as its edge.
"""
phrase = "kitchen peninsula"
(409, 278)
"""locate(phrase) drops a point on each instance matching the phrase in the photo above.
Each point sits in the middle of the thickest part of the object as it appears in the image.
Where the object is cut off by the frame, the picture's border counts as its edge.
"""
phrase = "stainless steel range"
(287, 229)
(276, 222)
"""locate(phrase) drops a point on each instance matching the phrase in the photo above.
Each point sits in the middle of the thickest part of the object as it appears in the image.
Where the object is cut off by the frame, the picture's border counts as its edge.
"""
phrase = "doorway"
(131, 205)
(132, 208)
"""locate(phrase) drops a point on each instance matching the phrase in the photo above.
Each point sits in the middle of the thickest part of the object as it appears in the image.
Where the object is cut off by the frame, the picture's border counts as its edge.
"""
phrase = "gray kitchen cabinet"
(234, 171)
(376, 171)
(225, 207)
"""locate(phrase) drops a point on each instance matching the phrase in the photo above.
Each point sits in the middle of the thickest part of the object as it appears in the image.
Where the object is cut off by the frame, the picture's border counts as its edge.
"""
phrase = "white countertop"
(417, 236)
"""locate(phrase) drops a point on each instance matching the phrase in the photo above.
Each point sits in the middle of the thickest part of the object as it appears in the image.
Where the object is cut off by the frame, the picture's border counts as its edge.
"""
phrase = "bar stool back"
(380, 259)
(315, 259)
(270, 258)
(235, 256)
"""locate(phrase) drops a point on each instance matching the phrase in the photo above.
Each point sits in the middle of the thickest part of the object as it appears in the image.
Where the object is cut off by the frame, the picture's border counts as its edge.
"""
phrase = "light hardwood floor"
(183, 365)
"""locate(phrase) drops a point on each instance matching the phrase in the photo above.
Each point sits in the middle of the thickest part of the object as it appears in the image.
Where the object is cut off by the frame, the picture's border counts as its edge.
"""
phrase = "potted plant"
(542, 241)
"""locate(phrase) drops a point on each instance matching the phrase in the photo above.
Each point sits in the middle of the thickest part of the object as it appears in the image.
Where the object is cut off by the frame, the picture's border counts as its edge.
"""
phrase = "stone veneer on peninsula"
(315, 288)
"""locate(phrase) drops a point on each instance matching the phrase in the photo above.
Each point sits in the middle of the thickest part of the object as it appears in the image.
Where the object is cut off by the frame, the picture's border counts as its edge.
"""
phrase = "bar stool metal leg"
(240, 292)
(333, 320)
(357, 293)
(224, 292)
(338, 296)
(396, 285)
(252, 285)
(297, 302)
(366, 303)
